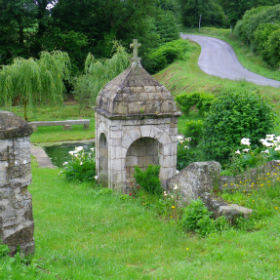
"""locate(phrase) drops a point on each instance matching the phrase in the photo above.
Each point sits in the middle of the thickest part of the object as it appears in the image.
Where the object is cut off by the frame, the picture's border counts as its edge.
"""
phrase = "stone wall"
(16, 219)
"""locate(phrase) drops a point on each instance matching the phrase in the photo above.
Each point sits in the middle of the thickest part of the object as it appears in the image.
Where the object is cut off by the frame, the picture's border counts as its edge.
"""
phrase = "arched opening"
(103, 160)
(142, 153)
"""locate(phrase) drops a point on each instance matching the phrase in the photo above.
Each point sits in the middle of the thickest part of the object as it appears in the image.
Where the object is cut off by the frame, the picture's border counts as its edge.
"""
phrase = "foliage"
(260, 28)
(197, 218)
(201, 100)
(159, 58)
(81, 167)
(233, 115)
(210, 11)
(194, 131)
(96, 74)
(149, 179)
(187, 152)
(30, 81)
(248, 157)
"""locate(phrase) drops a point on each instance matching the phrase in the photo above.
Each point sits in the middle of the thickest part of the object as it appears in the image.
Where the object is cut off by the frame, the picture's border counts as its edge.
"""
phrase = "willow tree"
(31, 82)
(97, 73)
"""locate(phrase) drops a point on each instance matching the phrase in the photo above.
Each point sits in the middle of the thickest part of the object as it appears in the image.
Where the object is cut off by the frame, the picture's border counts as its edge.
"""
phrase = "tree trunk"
(25, 109)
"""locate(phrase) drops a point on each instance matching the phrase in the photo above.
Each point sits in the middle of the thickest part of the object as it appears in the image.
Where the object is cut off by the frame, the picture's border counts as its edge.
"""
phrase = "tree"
(210, 12)
(31, 81)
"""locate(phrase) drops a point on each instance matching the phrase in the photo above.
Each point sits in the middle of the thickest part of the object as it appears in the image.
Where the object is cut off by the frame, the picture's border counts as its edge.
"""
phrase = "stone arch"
(142, 152)
(103, 160)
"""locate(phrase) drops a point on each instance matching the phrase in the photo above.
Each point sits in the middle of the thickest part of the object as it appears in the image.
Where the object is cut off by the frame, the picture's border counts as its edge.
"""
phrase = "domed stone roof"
(12, 126)
(135, 94)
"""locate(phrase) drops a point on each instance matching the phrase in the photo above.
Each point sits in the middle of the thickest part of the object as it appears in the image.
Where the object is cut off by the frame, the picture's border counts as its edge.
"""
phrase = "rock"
(220, 208)
(16, 218)
(232, 211)
(195, 180)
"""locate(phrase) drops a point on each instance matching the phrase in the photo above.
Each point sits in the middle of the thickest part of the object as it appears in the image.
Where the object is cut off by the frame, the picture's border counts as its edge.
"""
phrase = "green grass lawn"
(83, 233)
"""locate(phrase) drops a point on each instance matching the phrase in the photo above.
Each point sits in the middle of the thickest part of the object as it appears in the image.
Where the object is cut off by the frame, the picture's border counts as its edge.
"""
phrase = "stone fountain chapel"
(136, 125)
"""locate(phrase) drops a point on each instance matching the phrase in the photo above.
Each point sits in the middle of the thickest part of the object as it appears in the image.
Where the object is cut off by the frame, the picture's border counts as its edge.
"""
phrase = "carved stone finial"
(135, 45)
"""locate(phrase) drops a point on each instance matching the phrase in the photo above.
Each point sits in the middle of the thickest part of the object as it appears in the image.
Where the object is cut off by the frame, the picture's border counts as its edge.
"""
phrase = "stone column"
(16, 218)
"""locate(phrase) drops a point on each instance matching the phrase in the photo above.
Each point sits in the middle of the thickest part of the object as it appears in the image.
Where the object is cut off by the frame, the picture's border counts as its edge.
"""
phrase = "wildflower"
(65, 163)
(177, 171)
(189, 139)
(92, 149)
(266, 143)
(78, 149)
(270, 137)
(96, 177)
(187, 249)
(180, 138)
(276, 208)
(81, 163)
(277, 148)
(130, 194)
(186, 147)
(71, 153)
(238, 152)
(176, 187)
(173, 207)
(245, 141)
(265, 152)
(246, 150)
(165, 193)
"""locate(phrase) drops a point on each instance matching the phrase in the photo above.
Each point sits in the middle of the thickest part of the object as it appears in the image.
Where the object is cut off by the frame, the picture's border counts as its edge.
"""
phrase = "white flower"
(25, 161)
(96, 177)
(265, 152)
(165, 193)
(245, 141)
(278, 138)
(186, 147)
(180, 138)
(92, 149)
(277, 148)
(238, 152)
(71, 153)
(189, 139)
(78, 149)
(65, 163)
(81, 163)
(246, 150)
(177, 171)
(16, 163)
(266, 143)
(175, 188)
(270, 137)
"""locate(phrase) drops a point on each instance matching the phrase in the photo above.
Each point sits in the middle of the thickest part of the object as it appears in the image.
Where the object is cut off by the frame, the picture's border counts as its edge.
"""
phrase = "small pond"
(60, 153)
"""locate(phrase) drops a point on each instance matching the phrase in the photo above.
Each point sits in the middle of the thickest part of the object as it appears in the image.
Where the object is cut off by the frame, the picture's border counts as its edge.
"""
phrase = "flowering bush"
(248, 157)
(233, 114)
(81, 167)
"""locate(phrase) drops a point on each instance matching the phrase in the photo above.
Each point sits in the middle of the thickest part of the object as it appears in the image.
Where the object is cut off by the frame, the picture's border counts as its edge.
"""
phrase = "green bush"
(196, 218)
(81, 167)
(159, 58)
(235, 114)
(201, 100)
(260, 28)
(148, 179)
(194, 130)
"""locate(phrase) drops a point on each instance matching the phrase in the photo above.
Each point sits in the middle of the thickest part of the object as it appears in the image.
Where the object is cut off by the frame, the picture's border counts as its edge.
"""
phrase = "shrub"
(187, 154)
(159, 58)
(234, 115)
(194, 131)
(149, 179)
(272, 49)
(81, 168)
(202, 101)
(196, 218)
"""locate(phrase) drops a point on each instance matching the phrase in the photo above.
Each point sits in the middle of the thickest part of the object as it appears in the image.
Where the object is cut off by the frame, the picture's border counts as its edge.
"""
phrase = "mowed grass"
(83, 233)
(54, 113)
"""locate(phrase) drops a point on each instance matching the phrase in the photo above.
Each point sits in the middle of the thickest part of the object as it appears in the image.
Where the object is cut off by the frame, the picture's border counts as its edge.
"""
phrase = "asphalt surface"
(218, 58)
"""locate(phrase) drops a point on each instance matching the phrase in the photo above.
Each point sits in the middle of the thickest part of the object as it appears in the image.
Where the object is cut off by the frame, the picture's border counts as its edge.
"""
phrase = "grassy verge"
(246, 56)
(84, 233)
(55, 113)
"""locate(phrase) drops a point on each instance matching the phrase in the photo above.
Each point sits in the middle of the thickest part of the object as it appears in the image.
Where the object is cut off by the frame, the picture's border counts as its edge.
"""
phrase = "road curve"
(218, 58)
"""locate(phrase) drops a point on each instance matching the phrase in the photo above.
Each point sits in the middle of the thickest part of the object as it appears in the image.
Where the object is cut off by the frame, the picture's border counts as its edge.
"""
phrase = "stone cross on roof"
(135, 45)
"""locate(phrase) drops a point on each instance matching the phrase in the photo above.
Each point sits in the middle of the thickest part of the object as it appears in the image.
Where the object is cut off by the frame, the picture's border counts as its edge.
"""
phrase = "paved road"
(217, 58)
